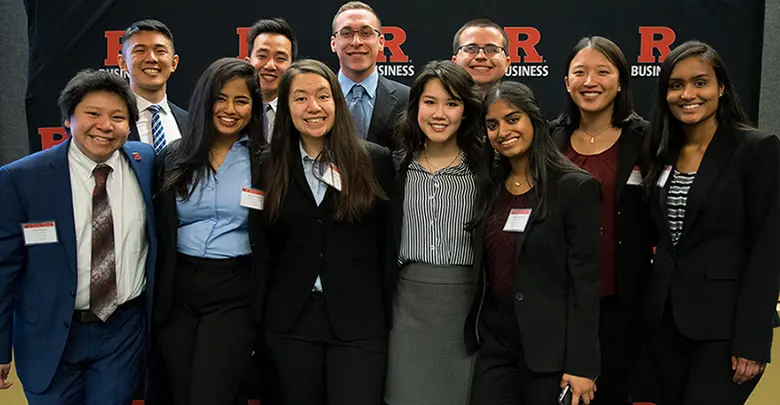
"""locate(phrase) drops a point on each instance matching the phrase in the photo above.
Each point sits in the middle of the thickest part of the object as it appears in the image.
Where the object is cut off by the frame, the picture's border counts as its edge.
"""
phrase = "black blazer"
(635, 233)
(167, 233)
(179, 115)
(391, 100)
(723, 274)
(351, 258)
(557, 279)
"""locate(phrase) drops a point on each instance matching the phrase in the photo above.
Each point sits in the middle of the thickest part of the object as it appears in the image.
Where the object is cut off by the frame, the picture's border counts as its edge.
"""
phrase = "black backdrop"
(66, 36)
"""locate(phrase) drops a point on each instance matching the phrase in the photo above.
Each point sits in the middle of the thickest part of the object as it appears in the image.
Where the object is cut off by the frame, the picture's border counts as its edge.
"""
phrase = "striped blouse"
(677, 200)
(436, 208)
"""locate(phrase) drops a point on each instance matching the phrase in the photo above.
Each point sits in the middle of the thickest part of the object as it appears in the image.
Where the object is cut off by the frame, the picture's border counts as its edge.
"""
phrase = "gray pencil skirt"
(427, 359)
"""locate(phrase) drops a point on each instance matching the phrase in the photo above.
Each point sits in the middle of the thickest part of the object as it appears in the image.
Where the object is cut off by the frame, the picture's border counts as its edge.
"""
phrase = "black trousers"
(619, 343)
(501, 375)
(694, 372)
(315, 367)
(208, 337)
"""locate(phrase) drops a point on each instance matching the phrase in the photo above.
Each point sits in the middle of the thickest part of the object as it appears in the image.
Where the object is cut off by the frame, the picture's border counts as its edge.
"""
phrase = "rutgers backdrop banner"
(67, 36)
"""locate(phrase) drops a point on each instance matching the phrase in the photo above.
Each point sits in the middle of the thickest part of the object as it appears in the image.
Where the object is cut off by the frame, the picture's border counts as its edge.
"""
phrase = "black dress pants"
(619, 342)
(501, 376)
(207, 339)
(315, 367)
(694, 372)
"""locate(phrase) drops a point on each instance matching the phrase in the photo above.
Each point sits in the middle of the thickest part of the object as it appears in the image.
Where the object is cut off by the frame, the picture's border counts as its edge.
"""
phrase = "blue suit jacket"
(38, 282)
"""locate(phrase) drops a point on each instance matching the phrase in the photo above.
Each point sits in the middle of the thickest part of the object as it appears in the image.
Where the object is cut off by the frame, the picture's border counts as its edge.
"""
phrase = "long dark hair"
(471, 134)
(546, 163)
(191, 158)
(623, 105)
(360, 189)
(666, 134)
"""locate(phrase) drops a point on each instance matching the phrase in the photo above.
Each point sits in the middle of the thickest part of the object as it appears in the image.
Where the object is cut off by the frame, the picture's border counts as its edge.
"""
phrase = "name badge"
(518, 219)
(635, 178)
(664, 176)
(332, 177)
(39, 233)
(252, 198)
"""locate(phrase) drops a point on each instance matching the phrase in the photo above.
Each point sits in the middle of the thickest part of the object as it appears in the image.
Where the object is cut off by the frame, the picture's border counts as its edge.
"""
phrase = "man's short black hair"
(147, 25)
(273, 26)
(90, 81)
(481, 23)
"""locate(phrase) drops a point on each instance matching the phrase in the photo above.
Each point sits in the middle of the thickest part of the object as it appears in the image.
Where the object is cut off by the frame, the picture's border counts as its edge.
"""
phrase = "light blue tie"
(158, 135)
(359, 110)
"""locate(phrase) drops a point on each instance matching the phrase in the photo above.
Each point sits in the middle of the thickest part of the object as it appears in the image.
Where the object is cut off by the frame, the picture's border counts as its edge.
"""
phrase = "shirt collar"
(273, 103)
(84, 166)
(143, 104)
(462, 168)
(369, 84)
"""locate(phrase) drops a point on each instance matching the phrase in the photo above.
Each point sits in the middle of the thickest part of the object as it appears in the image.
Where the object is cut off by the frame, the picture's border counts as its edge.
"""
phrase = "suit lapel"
(383, 107)
(179, 115)
(398, 208)
(661, 193)
(628, 149)
(134, 136)
(716, 157)
(59, 186)
(521, 236)
(299, 178)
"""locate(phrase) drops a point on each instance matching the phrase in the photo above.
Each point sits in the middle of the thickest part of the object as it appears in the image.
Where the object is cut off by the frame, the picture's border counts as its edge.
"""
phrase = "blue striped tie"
(359, 110)
(158, 135)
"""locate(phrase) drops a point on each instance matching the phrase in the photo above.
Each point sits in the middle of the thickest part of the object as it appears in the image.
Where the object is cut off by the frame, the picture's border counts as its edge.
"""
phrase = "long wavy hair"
(359, 187)
(546, 163)
(623, 105)
(191, 160)
(666, 135)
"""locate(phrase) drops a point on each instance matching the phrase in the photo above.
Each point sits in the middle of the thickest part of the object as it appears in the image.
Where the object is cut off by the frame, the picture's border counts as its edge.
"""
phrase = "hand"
(745, 370)
(581, 387)
(5, 369)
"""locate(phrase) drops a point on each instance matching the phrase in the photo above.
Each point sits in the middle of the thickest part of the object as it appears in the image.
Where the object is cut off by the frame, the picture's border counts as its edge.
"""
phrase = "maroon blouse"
(603, 167)
(500, 246)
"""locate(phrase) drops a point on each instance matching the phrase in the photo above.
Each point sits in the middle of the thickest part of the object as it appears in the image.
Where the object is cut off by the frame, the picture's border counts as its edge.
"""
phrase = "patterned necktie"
(102, 284)
(358, 110)
(269, 121)
(158, 135)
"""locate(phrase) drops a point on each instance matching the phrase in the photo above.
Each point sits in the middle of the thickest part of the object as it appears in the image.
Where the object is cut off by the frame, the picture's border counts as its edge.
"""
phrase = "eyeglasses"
(489, 49)
(366, 32)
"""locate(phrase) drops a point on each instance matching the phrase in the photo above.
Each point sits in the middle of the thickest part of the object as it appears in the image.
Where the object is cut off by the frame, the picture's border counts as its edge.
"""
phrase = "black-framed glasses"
(489, 49)
(365, 32)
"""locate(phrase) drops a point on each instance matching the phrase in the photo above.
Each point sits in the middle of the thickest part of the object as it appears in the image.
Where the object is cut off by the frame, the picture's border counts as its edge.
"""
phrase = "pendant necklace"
(593, 137)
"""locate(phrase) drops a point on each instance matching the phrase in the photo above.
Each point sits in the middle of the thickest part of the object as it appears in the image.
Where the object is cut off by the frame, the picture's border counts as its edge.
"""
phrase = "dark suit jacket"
(557, 280)
(178, 113)
(38, 283)
(723, 274)
(391, 100)
(351, 258)
(167, 228)
(634, 228)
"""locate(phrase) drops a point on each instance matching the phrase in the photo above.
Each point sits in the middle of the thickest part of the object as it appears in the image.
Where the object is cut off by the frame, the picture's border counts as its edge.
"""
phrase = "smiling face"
(593, 81)
(439, 114)
(148, 57)
(99, 125)
(357, 55)
(485, 70)
(694, 92)
(271, 55)
(510, 131)
(232, 108)
(312, 108)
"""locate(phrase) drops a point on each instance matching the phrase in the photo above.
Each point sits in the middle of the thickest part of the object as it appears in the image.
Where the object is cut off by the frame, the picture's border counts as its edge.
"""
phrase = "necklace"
(593, 137)
(430, 166)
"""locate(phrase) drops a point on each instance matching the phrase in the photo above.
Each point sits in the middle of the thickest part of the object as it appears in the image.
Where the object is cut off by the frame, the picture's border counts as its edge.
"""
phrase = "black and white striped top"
(436, 208)
(677, 200)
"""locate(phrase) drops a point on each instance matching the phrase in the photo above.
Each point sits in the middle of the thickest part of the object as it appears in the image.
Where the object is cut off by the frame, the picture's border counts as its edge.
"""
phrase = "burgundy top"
(603, 167)
(500, 246)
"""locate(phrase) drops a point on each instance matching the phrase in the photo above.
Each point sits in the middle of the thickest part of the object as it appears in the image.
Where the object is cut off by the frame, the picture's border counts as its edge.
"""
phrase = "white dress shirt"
(271, 115)
(129, 215)
(144, 124)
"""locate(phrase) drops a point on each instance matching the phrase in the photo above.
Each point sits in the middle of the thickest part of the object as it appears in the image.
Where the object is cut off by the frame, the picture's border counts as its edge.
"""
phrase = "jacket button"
(519, 296)
(319, 221)
(72, 293)
(321, 255)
